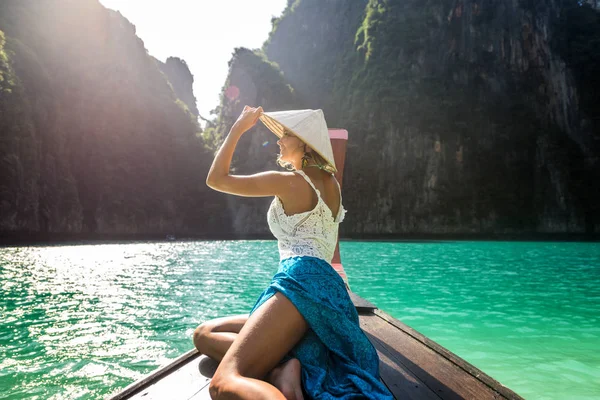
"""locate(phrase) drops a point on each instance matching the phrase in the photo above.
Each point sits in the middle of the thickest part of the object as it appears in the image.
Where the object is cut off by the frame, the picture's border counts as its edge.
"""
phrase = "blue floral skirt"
(338, 360)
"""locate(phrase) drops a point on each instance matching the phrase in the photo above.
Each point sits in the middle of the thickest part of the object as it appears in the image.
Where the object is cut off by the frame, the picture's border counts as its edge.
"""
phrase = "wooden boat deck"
(411, 366)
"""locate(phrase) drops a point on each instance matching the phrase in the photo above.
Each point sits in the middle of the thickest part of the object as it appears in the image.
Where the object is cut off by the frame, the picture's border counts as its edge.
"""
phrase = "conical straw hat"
(308, 125)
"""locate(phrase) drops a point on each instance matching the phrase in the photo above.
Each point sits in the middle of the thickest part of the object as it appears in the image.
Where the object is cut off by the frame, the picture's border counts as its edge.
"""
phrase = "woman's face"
(290, 147)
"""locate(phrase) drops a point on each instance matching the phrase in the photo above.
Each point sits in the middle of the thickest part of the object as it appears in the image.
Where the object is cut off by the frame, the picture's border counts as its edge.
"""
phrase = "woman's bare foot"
(286, 378)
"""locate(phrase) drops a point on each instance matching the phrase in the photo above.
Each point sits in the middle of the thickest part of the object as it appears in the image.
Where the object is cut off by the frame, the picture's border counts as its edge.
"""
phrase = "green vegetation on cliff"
(462, 117)
(453, 108)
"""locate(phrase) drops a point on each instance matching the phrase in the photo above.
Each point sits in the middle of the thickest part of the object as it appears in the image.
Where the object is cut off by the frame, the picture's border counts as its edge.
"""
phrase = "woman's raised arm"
(268, 183)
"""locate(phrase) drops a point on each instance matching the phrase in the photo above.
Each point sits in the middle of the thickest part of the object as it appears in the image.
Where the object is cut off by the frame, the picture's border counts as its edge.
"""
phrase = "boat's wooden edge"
(154, 376)
(453, 358)
(361, 304)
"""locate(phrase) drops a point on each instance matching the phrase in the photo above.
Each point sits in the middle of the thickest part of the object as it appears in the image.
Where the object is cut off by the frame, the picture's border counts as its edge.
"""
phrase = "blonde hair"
(317, 161)
(309, 156)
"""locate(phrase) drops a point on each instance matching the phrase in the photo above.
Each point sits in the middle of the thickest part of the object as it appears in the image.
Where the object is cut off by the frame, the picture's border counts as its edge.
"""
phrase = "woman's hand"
(247, 119)
(218, 175)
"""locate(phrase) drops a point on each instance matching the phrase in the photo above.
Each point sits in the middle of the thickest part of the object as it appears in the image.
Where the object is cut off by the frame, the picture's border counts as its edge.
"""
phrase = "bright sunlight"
(203, 33)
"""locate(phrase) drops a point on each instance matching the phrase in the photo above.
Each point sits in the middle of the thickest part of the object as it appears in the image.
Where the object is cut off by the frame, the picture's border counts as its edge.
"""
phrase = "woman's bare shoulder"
(323, 178)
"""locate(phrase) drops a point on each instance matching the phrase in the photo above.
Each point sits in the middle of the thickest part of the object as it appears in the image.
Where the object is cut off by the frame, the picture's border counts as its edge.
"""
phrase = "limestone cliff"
(464, 116)
(93, 136)
(182, 81)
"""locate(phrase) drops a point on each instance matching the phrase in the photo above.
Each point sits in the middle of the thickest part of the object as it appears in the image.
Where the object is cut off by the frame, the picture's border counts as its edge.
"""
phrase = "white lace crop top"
(311, 233)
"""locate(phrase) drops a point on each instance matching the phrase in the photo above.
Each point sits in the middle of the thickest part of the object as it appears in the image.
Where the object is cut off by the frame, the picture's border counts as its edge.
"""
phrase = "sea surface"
(82, 321)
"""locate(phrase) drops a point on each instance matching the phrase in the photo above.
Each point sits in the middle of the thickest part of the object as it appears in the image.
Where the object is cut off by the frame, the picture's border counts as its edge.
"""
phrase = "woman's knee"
(215, 388)
(201, 333)
(220, 385)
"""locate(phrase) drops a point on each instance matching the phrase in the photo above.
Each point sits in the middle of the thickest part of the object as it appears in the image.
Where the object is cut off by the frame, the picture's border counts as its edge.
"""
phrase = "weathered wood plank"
(207, 368)
(453, 358)
(202, 395)
(183, 378)
(182, 383)
(441, 375)
(155, 376)
(400, 381)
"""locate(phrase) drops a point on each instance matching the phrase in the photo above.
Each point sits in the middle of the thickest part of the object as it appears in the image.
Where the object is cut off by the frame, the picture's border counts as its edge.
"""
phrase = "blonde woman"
(302, 336)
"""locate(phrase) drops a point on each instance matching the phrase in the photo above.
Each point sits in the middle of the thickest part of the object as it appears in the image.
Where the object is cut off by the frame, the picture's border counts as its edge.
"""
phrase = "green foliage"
(96, 135)
(319, 64)
(6, 74)
(289, 10)
(441, 126)
(392, 26)
(366, 35)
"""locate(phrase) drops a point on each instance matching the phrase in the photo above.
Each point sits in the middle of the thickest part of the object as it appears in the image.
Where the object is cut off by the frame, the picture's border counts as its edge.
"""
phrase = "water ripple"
(508, 308)
(80, 322)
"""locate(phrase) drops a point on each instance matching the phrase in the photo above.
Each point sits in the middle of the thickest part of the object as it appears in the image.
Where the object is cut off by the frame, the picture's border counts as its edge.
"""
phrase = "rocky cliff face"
(93, 136)
(464, 116)
(182, 81)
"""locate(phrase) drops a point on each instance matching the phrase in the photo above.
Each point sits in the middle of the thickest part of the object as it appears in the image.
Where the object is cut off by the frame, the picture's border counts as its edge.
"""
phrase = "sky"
(202, 32)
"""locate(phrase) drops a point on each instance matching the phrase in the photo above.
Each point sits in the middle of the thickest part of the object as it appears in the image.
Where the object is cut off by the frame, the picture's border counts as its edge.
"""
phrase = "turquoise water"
(79, 322)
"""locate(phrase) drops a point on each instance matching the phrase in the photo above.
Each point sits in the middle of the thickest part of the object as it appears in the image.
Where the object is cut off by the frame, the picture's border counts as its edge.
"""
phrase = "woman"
(302, 336)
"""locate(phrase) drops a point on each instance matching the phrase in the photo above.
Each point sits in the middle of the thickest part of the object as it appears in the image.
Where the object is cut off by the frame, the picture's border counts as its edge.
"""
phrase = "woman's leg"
(266, 337)
(214, 337)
